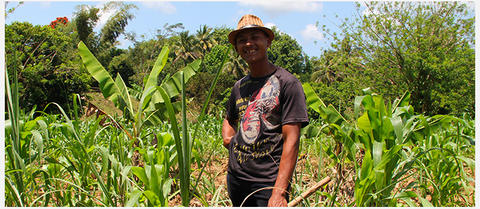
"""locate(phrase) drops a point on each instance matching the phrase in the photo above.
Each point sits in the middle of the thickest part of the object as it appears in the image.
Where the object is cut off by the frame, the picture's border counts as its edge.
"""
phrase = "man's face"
(252, 45)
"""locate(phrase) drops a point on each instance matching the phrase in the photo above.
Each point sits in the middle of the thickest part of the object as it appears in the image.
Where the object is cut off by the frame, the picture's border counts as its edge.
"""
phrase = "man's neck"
(261, 69)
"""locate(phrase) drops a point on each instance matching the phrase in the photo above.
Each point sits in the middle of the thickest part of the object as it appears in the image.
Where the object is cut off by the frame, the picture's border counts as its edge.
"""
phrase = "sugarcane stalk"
(309, 192)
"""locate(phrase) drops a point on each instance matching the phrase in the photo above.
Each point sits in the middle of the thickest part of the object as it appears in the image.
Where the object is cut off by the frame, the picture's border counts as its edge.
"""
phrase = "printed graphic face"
(252, 45)
(259, 111)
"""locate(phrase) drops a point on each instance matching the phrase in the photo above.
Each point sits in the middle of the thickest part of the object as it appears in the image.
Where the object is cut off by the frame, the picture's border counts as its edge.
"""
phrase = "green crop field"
(384, 156)
(391, 105)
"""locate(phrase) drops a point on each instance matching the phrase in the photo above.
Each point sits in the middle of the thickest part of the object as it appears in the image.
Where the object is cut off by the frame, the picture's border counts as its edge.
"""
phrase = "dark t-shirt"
(259, 107)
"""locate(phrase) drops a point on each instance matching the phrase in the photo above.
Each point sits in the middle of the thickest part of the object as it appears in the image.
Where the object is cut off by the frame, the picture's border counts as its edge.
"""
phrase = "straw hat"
(246, 22)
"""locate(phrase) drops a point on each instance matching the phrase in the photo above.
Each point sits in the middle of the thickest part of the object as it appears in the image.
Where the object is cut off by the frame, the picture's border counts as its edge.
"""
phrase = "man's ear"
(269, 42)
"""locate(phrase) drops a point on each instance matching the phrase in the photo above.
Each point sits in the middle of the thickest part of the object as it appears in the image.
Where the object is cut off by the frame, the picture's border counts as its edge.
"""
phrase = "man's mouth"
(250, 52)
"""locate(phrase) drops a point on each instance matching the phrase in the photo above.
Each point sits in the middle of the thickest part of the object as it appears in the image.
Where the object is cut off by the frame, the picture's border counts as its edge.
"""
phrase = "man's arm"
(228, 132)
(291, 137)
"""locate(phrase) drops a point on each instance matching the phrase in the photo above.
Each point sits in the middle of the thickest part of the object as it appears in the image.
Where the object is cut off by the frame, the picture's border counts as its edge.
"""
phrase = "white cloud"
(46, 4)
(311, 32)
(269, 25)
(274, 7)
(104, 16)
(165, 7)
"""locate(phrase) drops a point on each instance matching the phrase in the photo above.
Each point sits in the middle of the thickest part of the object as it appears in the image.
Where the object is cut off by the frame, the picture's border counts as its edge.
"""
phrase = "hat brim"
(232, 35)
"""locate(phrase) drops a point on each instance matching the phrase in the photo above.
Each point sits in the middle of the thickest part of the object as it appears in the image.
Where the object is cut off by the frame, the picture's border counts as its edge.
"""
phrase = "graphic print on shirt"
(259, 110)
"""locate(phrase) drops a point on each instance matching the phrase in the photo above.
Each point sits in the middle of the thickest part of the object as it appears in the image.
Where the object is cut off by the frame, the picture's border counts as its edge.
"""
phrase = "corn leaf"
(133, 199)
(140, 173)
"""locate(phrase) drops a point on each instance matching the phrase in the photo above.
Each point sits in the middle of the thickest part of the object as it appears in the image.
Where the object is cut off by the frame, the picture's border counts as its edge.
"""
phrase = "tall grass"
(15, 165)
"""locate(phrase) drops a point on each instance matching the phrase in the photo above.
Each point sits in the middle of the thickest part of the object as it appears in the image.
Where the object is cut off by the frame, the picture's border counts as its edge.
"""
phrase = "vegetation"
(408, 46)
(391, 109)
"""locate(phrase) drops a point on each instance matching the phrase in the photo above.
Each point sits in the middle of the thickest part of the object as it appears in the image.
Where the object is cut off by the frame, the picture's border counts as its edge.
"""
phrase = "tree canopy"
(424, 48)
(392, 47)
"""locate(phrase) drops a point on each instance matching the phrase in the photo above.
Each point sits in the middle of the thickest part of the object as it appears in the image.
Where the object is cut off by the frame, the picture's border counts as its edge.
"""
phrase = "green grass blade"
(184, 179)
(16, 196)
(186, 148)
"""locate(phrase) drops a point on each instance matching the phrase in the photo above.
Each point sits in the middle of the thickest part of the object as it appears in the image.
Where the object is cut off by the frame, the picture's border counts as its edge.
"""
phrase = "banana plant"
(116, 90)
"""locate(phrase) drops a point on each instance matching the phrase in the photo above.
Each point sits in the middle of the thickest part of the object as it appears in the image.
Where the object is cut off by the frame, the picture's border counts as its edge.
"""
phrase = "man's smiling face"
(252, 45)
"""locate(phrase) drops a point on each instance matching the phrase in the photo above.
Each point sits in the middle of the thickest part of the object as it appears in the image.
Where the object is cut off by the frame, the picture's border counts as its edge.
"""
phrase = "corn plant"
(386, 133)
(15, 167)
(448, 153)
(184, 144)
(155, 174)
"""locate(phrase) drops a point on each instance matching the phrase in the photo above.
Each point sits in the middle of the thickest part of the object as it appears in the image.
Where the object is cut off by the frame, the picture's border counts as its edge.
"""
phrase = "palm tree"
(326, 68)
(236, 65)
(205, 39)
(185, 47)
(86, 17)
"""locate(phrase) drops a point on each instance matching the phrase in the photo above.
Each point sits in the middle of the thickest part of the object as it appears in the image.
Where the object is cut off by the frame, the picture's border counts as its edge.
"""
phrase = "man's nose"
(249, 42)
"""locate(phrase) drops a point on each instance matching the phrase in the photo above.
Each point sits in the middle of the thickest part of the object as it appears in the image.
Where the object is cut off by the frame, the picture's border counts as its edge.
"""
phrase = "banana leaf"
(114, 91)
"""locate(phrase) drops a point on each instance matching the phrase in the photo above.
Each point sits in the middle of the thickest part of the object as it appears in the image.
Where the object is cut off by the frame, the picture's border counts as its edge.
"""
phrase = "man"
(265, 113)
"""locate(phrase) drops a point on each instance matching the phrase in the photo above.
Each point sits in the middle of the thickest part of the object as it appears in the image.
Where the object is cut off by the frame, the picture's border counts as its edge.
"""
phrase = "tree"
(425, 48)
(11, 10)
(287, 53)
(205, 39)
(85, 19)
(338, 75)
(103, 44)
(185, 47)
(47, 66)
(143, 55)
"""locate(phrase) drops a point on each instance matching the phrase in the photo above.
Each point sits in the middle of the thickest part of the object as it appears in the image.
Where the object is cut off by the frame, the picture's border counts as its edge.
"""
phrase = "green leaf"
(109, 88)
(133, 198)
(107, 85)
(152, 197)
(173, 86)
(162, 58)
(363, 123)
(425, 202)
(398, 129)
(124, 94)
(38, 140)
(140, 173)
(312, 100)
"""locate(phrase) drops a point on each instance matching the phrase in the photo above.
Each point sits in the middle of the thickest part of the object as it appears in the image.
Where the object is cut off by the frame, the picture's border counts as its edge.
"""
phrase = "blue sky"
(296, 18)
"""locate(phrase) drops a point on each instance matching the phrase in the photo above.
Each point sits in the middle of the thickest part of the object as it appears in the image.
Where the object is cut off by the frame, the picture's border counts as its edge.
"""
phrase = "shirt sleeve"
(294, 108)
(231, 110)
